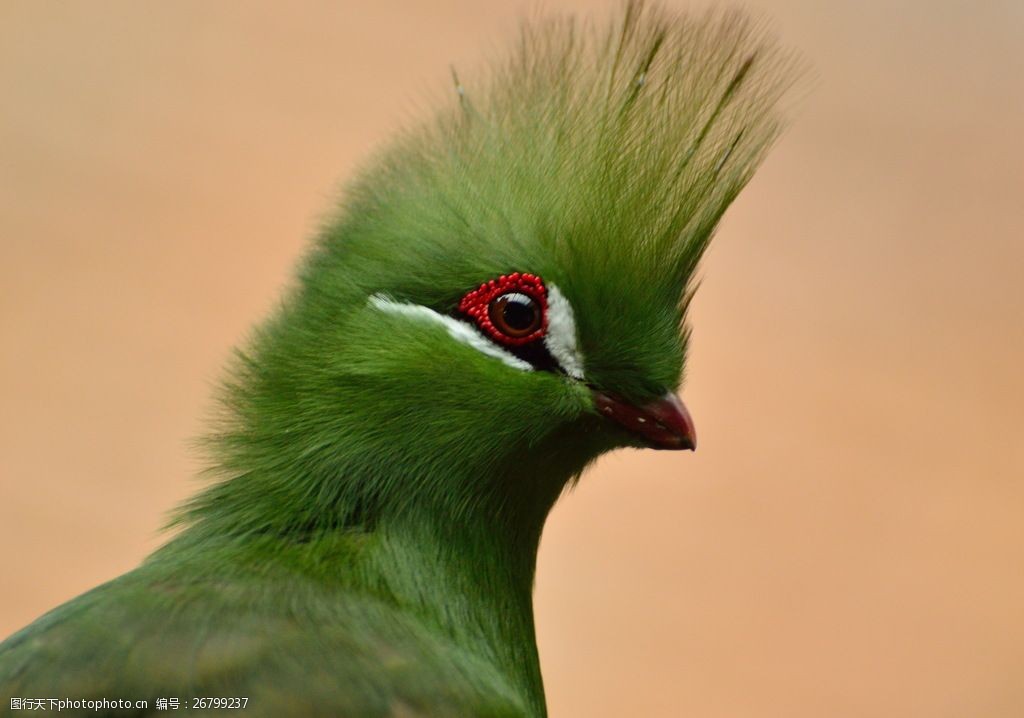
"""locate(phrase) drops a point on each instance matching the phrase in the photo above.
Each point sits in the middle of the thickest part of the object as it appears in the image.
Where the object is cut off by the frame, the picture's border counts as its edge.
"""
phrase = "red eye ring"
(478, 304)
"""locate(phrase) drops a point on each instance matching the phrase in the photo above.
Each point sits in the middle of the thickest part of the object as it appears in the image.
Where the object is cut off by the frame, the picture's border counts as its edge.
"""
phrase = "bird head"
(502, 295)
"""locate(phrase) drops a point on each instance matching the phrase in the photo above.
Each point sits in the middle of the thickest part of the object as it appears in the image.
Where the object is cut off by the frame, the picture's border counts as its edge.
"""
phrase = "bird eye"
(515, 314)
(510, 310)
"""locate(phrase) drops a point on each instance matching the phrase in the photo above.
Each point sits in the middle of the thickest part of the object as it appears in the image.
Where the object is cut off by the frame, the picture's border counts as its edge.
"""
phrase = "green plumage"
(368, 542)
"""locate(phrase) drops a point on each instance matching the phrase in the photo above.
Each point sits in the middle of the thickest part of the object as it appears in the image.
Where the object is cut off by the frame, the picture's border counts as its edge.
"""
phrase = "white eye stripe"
(560, 339)
(459, 331)
(561, 335)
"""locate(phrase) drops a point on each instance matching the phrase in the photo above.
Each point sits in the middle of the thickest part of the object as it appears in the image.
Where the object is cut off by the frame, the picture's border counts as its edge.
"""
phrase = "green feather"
(367, 544)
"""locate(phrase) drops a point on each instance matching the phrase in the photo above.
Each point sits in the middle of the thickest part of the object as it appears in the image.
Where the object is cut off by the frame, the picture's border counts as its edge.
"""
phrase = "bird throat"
(473, 572)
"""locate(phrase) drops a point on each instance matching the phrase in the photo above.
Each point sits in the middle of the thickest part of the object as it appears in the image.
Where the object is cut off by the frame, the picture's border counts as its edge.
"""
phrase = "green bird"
(500, 299)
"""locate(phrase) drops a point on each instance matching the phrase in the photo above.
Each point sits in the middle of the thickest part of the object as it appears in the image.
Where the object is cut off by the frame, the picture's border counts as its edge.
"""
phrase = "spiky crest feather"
(625, 145)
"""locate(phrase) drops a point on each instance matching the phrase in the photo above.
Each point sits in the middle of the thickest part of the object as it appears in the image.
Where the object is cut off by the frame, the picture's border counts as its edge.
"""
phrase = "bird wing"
(289, 648)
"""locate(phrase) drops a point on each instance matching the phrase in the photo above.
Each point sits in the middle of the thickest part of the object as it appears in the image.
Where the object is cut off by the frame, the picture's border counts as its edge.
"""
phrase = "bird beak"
(664, 423)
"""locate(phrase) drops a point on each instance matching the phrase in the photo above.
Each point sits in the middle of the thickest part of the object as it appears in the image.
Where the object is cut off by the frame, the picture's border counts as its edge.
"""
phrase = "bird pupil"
(515, 314)
(519, 312)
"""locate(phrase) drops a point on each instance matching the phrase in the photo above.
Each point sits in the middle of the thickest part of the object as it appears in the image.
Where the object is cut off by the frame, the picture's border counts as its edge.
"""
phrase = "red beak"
(664, 423)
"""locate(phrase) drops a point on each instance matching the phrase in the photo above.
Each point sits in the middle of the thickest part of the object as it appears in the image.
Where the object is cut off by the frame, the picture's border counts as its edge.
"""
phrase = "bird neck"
(454, 544)
(470, 569)
(475, 588)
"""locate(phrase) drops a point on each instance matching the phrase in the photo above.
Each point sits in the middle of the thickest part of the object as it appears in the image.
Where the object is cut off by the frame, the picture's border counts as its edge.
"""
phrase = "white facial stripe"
(459, 331)
(560, 338)
(561, 335)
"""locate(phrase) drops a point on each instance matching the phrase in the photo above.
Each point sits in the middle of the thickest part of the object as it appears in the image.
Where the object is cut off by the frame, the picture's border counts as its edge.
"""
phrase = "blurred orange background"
(849, 539)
